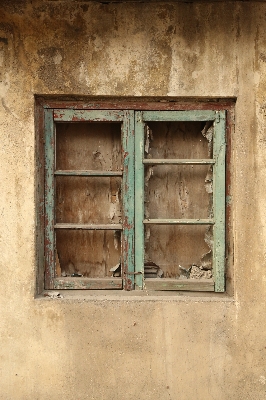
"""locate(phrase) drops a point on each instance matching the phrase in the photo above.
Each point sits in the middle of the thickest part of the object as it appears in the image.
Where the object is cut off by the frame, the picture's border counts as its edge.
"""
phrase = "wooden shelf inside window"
(201, 285)
(87, 283)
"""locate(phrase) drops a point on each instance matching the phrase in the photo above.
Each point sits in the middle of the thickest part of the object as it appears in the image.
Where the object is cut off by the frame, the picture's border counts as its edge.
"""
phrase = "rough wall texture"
(181, 347)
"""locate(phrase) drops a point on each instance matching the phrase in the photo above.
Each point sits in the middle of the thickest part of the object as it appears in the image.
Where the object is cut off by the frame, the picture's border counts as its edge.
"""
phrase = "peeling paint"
(57, 58)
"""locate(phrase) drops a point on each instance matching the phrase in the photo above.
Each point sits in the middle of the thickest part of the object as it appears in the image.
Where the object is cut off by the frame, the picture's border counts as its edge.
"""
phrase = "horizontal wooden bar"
(87, 173)
(168, 116)
(115, 227)
(174, 161)
(87, 283)
(197, 285)
(179, 221)
(64, 115)
(137, 102)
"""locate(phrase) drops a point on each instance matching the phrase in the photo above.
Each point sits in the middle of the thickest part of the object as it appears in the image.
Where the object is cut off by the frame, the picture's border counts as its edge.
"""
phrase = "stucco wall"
(179, 347)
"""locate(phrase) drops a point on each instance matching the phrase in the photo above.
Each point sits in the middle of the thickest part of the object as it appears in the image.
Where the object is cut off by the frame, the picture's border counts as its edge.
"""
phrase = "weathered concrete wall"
(181, 347)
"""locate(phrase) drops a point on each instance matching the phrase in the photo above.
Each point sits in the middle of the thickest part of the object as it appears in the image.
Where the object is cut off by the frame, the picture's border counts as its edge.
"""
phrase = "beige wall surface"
(128, 347)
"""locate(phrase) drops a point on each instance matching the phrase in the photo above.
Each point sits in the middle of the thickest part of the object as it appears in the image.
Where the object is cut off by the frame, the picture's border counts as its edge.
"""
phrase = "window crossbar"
(179, 221)
(87, 173)
(154, 161)
(110, 227)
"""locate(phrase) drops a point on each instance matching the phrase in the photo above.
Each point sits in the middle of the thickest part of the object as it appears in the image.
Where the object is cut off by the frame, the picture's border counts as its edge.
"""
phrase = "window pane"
(179, 140)
(93, 200)
(176, 248)
(88, 146)
(178, 191)
(89, 253)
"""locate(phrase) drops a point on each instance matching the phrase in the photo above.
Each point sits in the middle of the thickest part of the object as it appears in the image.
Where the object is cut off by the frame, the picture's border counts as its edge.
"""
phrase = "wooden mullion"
(115, 227)
(139, 199)
(87, 173)
(219, 147)
(155, 161)
(128, 191)
(179, 221)
(49, 198)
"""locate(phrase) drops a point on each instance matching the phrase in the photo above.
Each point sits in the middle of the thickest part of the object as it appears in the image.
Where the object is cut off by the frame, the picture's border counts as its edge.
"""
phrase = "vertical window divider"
(219, 148)
(49, 198)
(139, 200)
(128, 191)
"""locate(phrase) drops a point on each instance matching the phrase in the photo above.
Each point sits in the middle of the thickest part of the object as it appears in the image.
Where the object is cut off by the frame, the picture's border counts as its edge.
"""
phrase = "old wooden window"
(134, 199)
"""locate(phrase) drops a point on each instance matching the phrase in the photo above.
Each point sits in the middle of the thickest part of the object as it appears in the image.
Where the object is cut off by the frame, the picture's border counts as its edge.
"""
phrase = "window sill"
(136, 295)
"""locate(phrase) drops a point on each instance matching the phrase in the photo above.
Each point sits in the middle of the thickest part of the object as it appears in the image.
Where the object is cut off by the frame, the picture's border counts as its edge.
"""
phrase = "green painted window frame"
(218, 221)
(126, 118)
(133, 125)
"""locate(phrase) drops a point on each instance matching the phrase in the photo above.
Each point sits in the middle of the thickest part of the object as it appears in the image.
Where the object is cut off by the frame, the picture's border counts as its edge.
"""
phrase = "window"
(134, 199)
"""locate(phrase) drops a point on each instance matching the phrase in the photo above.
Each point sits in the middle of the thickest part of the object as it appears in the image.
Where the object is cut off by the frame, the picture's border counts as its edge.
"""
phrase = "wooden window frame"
(133, 116)
(218, 221)
(126, 118)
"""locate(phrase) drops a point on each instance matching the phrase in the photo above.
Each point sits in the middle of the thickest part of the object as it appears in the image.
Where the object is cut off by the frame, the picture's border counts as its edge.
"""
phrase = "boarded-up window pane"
(88, 200)
(172, 247)
(178, 140)
(93, 200)
(90, 253)
(88, 146)
(178, 191)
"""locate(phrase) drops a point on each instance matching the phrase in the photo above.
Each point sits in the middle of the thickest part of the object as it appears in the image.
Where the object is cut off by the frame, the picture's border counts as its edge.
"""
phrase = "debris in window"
(208, 182)
(199, 273)
(53, 295)
(206, 261)
(116, 270)
(184, 272)
(152, 270)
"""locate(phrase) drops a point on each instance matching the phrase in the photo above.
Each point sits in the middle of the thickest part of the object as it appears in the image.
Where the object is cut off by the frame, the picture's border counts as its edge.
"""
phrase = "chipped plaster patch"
(57, 58)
